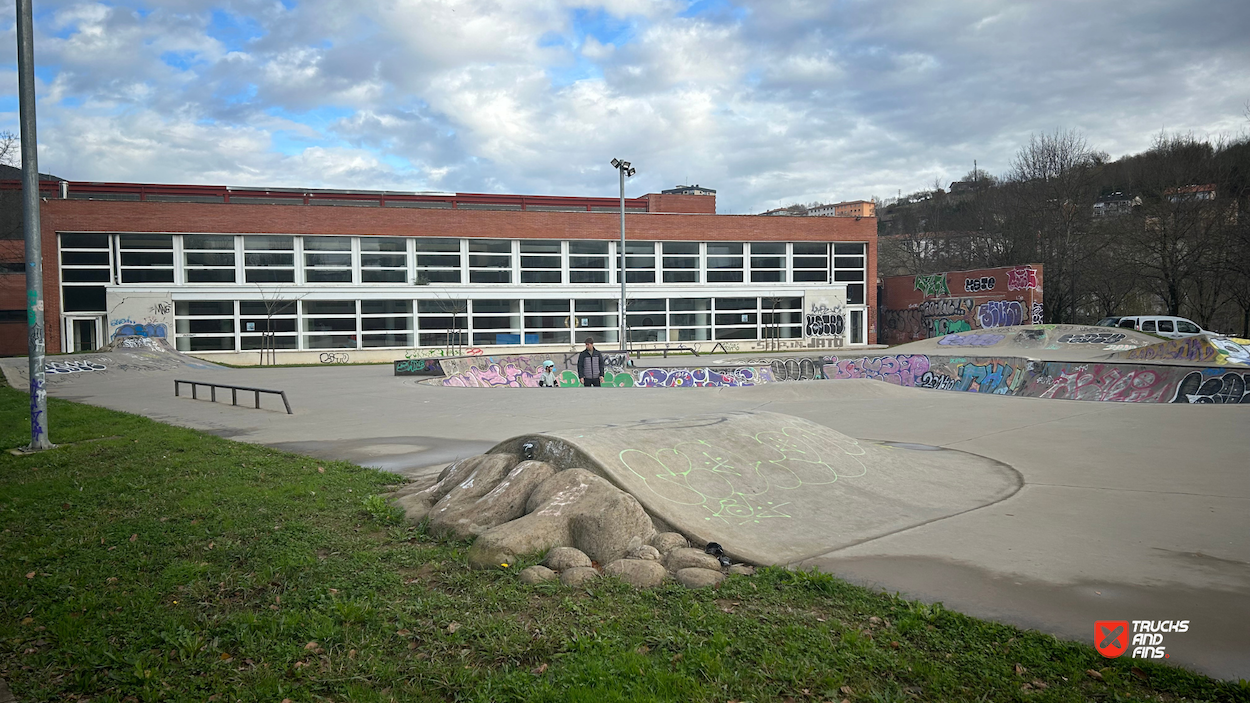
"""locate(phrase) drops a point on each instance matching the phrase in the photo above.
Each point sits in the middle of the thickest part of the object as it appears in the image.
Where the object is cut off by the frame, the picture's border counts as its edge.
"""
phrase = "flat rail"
(234, 392)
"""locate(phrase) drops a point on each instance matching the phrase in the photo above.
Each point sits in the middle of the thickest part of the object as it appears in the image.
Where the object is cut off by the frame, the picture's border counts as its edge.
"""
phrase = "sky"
(770, 103)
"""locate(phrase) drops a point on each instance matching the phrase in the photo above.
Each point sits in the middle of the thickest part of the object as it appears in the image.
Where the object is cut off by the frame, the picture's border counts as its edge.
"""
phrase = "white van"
(1163, 325)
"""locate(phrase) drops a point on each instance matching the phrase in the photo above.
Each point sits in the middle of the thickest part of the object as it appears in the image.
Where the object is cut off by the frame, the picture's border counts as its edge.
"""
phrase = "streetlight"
(624, 169)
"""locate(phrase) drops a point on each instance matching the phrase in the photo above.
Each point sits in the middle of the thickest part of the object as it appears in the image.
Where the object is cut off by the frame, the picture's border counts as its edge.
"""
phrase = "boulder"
(537, 574)
(666, 542)
(645, 551)
(562, 558)
(643, 573)
(578, 575)
(573, 508)
(417, 505)
(694, 577)
(688, 557)
(491, 494)
(742, 570)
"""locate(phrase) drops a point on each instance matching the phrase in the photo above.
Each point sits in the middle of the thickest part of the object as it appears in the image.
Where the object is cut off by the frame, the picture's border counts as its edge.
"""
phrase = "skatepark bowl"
(1005, 501)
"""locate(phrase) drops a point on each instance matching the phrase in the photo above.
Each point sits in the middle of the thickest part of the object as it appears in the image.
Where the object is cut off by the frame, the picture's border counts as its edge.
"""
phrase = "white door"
(82, 334)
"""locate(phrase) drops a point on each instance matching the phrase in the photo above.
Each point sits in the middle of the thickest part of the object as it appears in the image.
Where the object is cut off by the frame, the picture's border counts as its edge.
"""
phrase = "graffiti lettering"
(933, 284)
(1188, 349)
(335, 358)
(156, 329)
(794, 369)
(990, 377)
(824, 321)
(970, 340)
(161, 308)
(474, 351)
(418, 367)
(137, 343)
(1225, 389)
(679, 378)
(53, 367)
(976, 285)
(1107, 383)
(1092, 338)
(1037, 312)
(901, 370)
(1022, 278)
(1000, 313)
(938, 381)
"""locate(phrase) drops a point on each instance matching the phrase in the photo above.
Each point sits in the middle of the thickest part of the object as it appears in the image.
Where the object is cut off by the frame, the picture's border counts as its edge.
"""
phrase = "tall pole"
(624, 341)
(30, 225)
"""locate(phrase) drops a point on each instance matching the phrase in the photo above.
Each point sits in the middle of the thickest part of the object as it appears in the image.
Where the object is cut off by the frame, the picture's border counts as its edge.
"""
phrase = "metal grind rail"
(234, 392)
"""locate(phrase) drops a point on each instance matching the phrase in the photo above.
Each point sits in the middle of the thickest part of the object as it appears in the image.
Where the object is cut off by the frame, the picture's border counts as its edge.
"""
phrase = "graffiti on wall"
(1001, 313)
(698, 378)
(900, 369)
(976, 285)
(1226, 388)
(335, 358)
(1104, 382)
(1037, 312)
(824, 321)
(970, 340)
(1197, 349)
(946, 316)
(130, 328)
(418, 367)
(933, 285)
(1022, 278)
(1091, 338)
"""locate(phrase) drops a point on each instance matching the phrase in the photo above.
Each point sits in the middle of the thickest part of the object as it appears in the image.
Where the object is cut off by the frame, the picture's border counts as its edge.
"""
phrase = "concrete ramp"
(1067, 342)
(124, 355)
(771, 488)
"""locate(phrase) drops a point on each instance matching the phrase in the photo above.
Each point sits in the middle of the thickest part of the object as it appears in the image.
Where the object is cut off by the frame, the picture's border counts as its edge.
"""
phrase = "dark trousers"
(588, 382)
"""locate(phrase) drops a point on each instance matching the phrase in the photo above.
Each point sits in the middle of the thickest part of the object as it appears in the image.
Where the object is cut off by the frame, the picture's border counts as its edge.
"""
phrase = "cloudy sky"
(770, 102)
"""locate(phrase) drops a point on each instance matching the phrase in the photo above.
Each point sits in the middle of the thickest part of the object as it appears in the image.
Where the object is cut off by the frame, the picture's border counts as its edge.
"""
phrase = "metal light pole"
(30, 225)
(624, 169)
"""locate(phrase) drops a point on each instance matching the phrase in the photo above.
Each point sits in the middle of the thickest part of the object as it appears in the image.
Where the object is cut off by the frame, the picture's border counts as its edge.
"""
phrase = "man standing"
(590, 365)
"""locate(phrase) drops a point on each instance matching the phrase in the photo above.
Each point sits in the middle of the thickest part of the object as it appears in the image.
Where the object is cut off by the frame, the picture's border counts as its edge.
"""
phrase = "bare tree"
(10, 149)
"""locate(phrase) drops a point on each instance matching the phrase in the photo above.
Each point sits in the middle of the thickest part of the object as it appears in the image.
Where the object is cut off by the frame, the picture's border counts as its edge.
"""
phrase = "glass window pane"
(1165, 325)
(208, 241)
(329, 307)
(437, 276)
(86, 275)
(485, 261)
(210, 275)
(327, 243)
(768, 248)
(270, 276)
(147, 258)
(848, 262)
(723, 248)
(839, 248)
(84, 258)
(442, 307)
(560, 305)
(267, 307)
(85, 241)
(446, 244)
(588, 247)
(383, 244)
(274, 259)
(540, 277)
(540, 247)
(268, 242)
(687, 276)
(383, 260)
(383, 276)
(146, 241)
(588, 276)
(147, 275)
(681, 248)
(203, 308)
(377, 307)
(725, 276)
(839, 275)
(210, 258)
(316, 275)
(490, 276)
(444, 260)
(493, 246)
(855, 294)
(341, 260)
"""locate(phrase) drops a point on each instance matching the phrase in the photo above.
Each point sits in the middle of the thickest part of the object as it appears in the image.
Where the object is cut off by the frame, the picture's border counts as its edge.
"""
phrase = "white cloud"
(769, 102)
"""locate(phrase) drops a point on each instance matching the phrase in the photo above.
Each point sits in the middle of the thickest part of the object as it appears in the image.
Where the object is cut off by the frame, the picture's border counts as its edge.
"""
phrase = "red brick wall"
(13, 335)
(952, 301)
(672, 202)
(106, 216)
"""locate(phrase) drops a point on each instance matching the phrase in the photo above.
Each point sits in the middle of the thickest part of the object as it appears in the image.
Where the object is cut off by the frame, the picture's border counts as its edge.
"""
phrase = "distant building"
(1115, 204)
(695, 189)
(787, 211)
(853, 208)
(1192, 192)
(821, 211)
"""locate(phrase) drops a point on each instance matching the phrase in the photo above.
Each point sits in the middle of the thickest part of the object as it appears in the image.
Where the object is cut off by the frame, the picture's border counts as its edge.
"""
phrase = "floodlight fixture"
(626, 171)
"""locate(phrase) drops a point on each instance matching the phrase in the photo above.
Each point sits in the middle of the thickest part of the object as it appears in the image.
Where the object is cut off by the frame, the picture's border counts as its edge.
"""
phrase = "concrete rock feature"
(578, 575)
(695, 577)
(562, 558)
(643, 573)
(537, 574)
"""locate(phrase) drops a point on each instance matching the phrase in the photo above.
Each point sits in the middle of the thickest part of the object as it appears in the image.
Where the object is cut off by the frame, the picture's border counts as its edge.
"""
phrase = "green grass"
(160, 563)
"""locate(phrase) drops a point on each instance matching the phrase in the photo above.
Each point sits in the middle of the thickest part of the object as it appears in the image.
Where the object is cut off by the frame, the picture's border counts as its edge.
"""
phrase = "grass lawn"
(149, 562)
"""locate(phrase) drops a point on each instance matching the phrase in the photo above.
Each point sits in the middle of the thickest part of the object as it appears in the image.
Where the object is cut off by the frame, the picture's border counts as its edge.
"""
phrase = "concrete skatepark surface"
(1125, 510)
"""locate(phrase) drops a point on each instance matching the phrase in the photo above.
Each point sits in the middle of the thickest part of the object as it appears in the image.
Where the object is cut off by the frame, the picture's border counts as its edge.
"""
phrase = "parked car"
(1163, 325)
(1108, 322)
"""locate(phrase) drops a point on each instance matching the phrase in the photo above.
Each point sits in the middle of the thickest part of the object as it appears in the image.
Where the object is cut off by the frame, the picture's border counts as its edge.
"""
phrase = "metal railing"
(234, 392)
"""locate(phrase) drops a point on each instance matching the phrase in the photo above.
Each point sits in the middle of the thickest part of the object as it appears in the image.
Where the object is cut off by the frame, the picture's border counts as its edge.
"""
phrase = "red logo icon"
(1111, 637)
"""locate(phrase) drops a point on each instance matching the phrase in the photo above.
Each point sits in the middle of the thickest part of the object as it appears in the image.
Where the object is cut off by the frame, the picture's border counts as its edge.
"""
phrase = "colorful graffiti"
(990, 376)
(933, 285)
(946, 316)
(686, 378)
(1196, 349)
(970, 340)
(976, 285)
(1105, 382)
(1000, 313)
(1091, 338)
(418, 367)
(901, 369)
(136, 329)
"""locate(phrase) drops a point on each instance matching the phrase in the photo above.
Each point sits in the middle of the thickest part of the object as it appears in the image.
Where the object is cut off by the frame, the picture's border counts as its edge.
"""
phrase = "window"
(588, 262)
(690, 319)
(146, 258)
(781, 318)
(811, 262)
(547, 321)
(1127, 324)
(204, 325)
(680, 262)
(540, 262)
(328, 259)
(329, 324)
(646, 320)
(496, 322)
(735, 318)
(639, 262)
(1165, 325)
(1148, 326)
(849, 268)
(269, 259)
(274, 319)
(768, 262)
(724, 262)
(438, 260)
(1187, 327)
(596, 319)
(386, 323)
(86, 267)
(383, 260)
(490, 261)
(208, 258)
(442, 323)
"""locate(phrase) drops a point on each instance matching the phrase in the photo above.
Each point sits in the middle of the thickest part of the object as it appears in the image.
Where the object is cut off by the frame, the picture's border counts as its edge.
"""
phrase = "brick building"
(226, 271)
